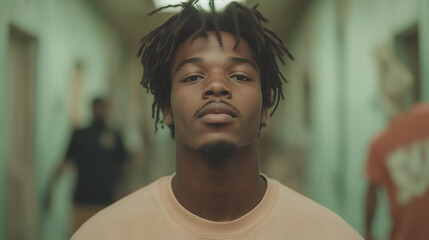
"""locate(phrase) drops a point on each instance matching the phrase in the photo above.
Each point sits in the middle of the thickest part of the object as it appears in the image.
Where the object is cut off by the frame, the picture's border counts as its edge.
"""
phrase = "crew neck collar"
(206, 228)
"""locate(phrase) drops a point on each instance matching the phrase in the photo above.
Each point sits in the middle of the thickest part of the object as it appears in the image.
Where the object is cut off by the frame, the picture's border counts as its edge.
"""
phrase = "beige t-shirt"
(153, 212)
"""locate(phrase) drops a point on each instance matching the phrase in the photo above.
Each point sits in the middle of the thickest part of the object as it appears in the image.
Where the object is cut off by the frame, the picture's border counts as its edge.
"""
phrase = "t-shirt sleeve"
(73, 149)
(374, 166)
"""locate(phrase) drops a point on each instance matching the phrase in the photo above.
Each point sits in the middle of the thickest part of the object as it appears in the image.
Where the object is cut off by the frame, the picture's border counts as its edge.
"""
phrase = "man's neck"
(99, 123)
(221, 193)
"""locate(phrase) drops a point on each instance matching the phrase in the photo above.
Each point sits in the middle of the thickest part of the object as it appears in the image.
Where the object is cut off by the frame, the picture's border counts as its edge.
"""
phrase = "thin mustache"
(197, 113)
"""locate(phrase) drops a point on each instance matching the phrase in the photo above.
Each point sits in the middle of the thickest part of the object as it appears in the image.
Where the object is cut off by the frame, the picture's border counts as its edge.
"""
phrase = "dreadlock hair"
(158, 47)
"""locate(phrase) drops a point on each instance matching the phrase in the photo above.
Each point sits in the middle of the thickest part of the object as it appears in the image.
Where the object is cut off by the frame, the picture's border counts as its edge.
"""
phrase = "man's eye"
(192, 78)
(240, 77)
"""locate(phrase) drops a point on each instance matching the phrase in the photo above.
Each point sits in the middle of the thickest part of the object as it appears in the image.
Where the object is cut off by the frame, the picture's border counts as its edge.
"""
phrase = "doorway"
(22, 211)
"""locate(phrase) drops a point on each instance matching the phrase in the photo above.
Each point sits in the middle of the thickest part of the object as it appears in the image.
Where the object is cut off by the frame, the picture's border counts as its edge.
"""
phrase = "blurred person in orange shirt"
(398, 158)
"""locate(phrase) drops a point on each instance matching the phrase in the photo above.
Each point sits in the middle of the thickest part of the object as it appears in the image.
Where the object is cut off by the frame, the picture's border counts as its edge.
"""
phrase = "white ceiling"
(128, 16)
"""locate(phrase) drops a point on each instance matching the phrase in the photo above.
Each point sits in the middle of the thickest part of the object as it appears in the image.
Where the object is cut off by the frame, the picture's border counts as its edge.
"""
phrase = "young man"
(214, 76)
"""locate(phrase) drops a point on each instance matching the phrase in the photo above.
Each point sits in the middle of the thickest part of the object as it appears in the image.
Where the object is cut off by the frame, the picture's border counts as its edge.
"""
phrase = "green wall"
(3, 127)
(66, 32)
(424, 38)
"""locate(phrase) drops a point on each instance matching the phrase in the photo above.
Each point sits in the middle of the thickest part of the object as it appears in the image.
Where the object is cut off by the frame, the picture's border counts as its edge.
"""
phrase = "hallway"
(56, 56)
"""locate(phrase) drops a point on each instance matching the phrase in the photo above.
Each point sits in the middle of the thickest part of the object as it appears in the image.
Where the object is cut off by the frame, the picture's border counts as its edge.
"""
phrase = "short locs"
(159, 46)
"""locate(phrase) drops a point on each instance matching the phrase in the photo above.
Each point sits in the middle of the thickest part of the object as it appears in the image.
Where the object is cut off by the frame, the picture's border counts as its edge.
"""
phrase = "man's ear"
(264, 117)
(168, 116)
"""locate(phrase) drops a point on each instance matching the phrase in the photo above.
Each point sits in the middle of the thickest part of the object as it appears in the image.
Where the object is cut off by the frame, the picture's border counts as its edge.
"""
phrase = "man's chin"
(217, 152)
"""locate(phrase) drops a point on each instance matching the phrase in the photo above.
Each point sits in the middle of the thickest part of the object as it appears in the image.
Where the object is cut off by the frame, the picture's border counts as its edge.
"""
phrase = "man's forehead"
(227, 42)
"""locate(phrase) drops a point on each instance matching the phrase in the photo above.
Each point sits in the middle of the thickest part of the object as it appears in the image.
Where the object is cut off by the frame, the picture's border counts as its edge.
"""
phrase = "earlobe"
(168, 117)
(264, 117)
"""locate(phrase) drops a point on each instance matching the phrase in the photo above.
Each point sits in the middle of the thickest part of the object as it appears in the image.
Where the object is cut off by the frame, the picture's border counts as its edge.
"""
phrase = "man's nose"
(217, 86)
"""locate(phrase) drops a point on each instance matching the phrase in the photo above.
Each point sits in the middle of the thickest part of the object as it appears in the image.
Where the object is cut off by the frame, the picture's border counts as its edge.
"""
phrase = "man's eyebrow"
(244, 60)
(186, 61)
(232, 59)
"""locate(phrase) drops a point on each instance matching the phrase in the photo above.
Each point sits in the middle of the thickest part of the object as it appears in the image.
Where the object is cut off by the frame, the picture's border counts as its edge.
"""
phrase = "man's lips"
(218, 107)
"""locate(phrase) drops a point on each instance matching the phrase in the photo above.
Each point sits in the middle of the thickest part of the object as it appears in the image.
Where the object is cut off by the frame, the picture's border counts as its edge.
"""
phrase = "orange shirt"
(153, 212)
(399, 161)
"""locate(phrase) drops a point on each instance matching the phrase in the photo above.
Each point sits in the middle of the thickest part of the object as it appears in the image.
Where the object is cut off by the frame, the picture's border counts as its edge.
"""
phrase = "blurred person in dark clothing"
(98, 154)
(398, 159)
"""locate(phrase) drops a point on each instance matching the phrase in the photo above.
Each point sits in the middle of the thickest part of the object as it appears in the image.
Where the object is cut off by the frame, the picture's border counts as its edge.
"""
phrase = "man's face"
(99, 111)
(216, 93)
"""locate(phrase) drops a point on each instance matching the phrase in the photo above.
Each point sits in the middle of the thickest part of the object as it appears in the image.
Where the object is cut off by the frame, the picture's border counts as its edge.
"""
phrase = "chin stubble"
(217, 152)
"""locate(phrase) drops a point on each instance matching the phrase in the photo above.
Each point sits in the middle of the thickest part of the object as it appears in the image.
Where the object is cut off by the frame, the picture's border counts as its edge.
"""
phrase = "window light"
(219, 4)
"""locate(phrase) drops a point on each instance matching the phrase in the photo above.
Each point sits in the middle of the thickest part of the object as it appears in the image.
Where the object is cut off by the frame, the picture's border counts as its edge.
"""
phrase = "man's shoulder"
(300, 202)
(81, 131)
(306, 216)
(140, 207)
